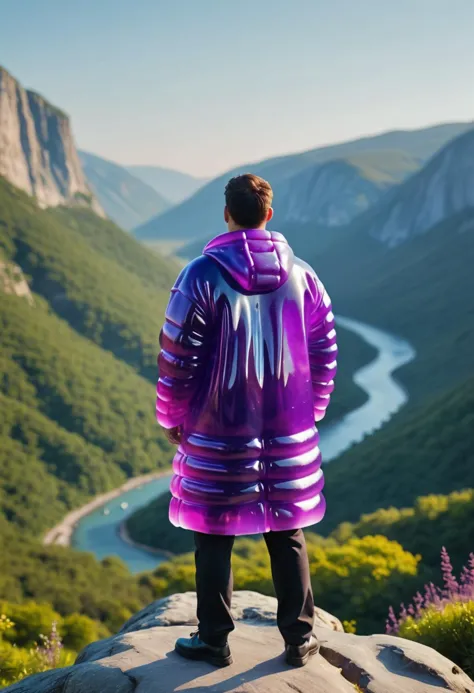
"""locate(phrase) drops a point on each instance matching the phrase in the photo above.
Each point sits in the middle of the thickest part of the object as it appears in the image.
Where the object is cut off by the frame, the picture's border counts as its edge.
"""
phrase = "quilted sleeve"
(322, 347)
(184, 342)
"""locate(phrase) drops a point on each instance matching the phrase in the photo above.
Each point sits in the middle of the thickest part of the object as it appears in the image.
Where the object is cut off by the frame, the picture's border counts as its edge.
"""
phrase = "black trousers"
(291, 578)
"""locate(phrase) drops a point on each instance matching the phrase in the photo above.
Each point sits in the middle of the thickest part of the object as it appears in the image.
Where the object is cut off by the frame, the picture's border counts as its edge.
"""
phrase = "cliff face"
(12, 281)
(37, 150)
(330, 194)
(443, 187)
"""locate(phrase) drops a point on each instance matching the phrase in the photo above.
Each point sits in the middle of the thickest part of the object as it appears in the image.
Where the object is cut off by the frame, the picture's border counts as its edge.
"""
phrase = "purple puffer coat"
(247, 362)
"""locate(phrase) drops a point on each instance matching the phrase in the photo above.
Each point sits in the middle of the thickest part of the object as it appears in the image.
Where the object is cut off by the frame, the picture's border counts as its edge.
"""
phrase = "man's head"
(248, 202)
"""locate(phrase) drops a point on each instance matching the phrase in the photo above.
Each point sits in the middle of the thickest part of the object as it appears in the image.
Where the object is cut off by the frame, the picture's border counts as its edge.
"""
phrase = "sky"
(205, 85)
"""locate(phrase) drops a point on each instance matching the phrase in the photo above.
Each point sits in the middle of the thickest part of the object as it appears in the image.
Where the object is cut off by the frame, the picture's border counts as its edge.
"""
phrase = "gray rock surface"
(37, 150)
(180, 609)
(141, 659)
(330, 194)
(12, 281)
(440, 189)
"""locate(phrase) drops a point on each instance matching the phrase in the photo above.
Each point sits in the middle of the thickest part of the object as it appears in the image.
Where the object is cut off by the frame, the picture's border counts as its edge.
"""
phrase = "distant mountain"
(37, 150)
(203, 211)
(333, 193)
(126, 199)
(175, 186)
(441, 188)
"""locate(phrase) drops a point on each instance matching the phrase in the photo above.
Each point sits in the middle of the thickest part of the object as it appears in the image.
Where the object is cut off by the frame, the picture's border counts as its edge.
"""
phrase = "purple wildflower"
(450, 582)
(435, 597)
(391, 625)
(418, 601)
(50, 649)
(467, 577)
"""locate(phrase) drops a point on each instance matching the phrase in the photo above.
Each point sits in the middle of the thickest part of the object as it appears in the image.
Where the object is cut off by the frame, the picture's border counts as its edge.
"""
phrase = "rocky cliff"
(332, 194)
(141, 659)
(12, 281)
(37, 150)
(443, 187)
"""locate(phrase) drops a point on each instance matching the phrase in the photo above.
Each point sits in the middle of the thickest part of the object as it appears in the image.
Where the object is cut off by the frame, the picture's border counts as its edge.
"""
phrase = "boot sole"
(302, 661)
(203, 657)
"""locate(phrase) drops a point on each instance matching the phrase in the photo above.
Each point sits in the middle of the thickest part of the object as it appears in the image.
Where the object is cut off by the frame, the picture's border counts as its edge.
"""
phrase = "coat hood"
(257, 259)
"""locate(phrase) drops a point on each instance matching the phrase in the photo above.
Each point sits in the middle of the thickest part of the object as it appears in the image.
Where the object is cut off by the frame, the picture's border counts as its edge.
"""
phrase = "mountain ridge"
(201, 214)
(174, 185)
(125, 198)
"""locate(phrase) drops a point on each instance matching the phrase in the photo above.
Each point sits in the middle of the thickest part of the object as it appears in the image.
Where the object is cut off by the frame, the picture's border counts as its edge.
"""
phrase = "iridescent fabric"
(247, 363)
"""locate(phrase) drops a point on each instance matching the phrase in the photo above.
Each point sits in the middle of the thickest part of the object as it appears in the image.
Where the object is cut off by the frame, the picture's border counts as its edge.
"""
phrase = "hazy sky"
(202, 85)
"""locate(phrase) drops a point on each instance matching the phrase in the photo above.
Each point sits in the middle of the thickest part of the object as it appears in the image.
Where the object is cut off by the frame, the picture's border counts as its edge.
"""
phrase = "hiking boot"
(195, 648)
(298, 656)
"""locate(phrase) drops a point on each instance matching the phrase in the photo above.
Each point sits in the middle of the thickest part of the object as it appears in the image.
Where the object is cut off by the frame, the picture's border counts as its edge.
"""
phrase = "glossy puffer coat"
(247, 364)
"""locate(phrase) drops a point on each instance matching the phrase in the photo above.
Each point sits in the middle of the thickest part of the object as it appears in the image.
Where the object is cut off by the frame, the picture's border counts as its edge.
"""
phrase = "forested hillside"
(77, 415)
(422, 291)
(104, 284)
(434, 521)
(75, 420)
(423, 450)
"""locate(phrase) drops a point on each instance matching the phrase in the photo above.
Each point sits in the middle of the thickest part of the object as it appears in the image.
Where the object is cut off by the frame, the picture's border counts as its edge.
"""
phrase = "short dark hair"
(248, 199)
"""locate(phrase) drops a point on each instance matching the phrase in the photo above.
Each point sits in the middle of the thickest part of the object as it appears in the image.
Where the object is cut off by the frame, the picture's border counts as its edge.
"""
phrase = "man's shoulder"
(311, 279)
(302, 266)
(198, 267)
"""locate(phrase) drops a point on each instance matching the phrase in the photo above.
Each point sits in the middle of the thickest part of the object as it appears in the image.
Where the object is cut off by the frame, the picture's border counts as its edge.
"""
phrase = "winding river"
(98, 531)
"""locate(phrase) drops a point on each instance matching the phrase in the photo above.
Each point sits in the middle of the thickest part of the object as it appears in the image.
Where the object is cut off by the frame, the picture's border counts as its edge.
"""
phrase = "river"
(98, 532)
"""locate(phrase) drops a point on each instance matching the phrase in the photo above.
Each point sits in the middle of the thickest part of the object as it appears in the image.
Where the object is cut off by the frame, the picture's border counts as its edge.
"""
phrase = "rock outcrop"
(141, 659)
(37, 150)
(335, 192)
(443, 187)
(12, 281)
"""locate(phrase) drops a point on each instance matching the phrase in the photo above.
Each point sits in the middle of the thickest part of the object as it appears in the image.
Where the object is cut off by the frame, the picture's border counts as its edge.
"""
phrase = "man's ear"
(270, 214)
(226, 215)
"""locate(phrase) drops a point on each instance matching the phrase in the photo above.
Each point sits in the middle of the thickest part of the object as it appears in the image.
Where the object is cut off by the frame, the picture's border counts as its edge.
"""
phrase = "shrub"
(78, 630)
(454, 591)
(30, 621)
(26, 625)
(18, 662)
(450, 632)
(442, 618)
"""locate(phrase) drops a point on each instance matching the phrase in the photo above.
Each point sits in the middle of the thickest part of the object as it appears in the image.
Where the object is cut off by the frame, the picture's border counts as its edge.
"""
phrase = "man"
(247, 362)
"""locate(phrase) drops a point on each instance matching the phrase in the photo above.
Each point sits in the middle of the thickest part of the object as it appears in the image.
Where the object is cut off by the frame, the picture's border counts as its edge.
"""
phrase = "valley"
(387, 221)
